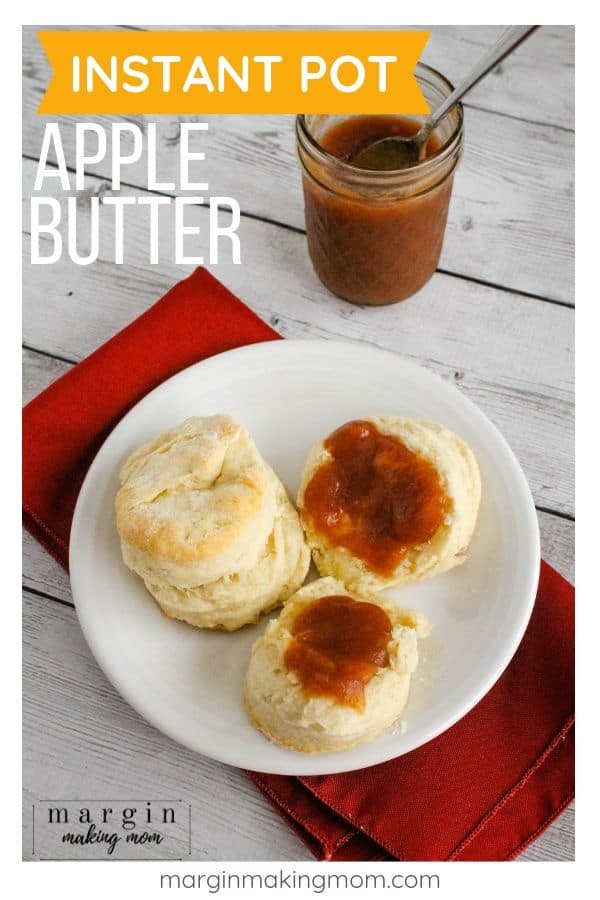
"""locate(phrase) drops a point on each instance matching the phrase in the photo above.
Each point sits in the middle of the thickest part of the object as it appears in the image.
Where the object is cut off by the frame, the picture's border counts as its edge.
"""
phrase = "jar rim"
(303, 134)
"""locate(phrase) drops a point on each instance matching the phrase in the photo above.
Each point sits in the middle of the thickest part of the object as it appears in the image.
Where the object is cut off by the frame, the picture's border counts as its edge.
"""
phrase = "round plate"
(288, 394)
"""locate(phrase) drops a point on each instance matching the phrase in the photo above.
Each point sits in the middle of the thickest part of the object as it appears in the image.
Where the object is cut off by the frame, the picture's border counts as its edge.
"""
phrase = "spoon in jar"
(398, 151)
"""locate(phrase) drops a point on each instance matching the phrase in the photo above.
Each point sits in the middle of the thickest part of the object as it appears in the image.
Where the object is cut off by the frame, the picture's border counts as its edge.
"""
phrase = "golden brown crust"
(195, 503)
(242, 597)
(208, 526)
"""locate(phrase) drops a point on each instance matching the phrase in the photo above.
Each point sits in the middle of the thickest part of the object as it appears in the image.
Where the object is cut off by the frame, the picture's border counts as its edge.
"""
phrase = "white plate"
(188, 682)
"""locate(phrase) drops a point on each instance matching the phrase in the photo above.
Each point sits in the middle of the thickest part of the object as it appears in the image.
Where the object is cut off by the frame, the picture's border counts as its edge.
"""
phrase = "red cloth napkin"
(481, 791)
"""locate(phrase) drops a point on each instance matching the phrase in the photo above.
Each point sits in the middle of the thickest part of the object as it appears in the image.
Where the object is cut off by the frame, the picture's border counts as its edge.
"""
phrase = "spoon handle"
(509, 39)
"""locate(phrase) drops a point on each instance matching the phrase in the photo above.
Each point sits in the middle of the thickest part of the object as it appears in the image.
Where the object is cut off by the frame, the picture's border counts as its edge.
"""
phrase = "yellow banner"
(202, 72)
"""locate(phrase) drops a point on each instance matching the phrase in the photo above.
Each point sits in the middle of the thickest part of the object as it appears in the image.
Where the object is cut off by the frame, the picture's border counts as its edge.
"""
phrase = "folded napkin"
(482, 790)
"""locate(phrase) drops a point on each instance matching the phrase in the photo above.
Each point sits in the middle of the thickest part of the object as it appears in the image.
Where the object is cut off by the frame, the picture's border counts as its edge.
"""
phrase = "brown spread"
(374, 496)
(375, 242)
(337, 645)
(348, 138)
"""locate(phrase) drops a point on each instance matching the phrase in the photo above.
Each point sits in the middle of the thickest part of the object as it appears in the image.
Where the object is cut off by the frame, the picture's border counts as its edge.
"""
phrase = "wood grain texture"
(510, 224)
(511, 217)
(249, 829)
(536, 84)
(512, 355)
(79, 735)
(42, 573)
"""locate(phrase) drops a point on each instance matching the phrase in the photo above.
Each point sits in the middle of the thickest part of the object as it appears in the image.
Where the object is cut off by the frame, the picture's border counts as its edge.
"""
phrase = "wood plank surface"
(536, 84)
(42, 573)
(511, 354)
(511, 217)
(81, 739)
(495, 320)
(249, 829)
(79, 735)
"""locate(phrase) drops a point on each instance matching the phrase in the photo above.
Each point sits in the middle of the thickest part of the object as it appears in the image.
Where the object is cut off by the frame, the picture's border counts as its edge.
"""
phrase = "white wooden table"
(497, 319)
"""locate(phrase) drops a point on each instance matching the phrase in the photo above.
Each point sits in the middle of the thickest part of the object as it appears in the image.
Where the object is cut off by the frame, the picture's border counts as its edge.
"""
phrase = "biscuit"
(195, 504)
(280, 707)
(240, 598)
(459, 478)
(208, 526)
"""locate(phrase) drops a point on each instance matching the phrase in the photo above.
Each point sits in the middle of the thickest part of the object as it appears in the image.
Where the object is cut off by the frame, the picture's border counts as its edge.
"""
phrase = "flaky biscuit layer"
(240, 598)
(195, 504)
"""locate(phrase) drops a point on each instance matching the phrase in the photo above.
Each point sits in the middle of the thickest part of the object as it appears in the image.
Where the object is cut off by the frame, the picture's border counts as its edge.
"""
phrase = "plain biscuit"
(240, 598)
(208, 526)
(195, 504)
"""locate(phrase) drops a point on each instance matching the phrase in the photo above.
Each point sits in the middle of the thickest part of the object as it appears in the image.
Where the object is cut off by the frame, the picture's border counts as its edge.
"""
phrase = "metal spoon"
(397, 151)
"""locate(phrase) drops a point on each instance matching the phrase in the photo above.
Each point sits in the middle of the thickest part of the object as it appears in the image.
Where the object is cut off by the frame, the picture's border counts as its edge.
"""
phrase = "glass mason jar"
(375, 237)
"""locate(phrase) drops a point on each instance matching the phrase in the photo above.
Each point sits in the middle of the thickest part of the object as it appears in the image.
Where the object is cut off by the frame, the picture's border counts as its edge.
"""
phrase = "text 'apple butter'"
(374, 496)
(337, 645)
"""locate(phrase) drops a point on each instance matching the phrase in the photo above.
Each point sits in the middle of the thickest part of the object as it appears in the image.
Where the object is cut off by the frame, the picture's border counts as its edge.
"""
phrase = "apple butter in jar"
(375, 236)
